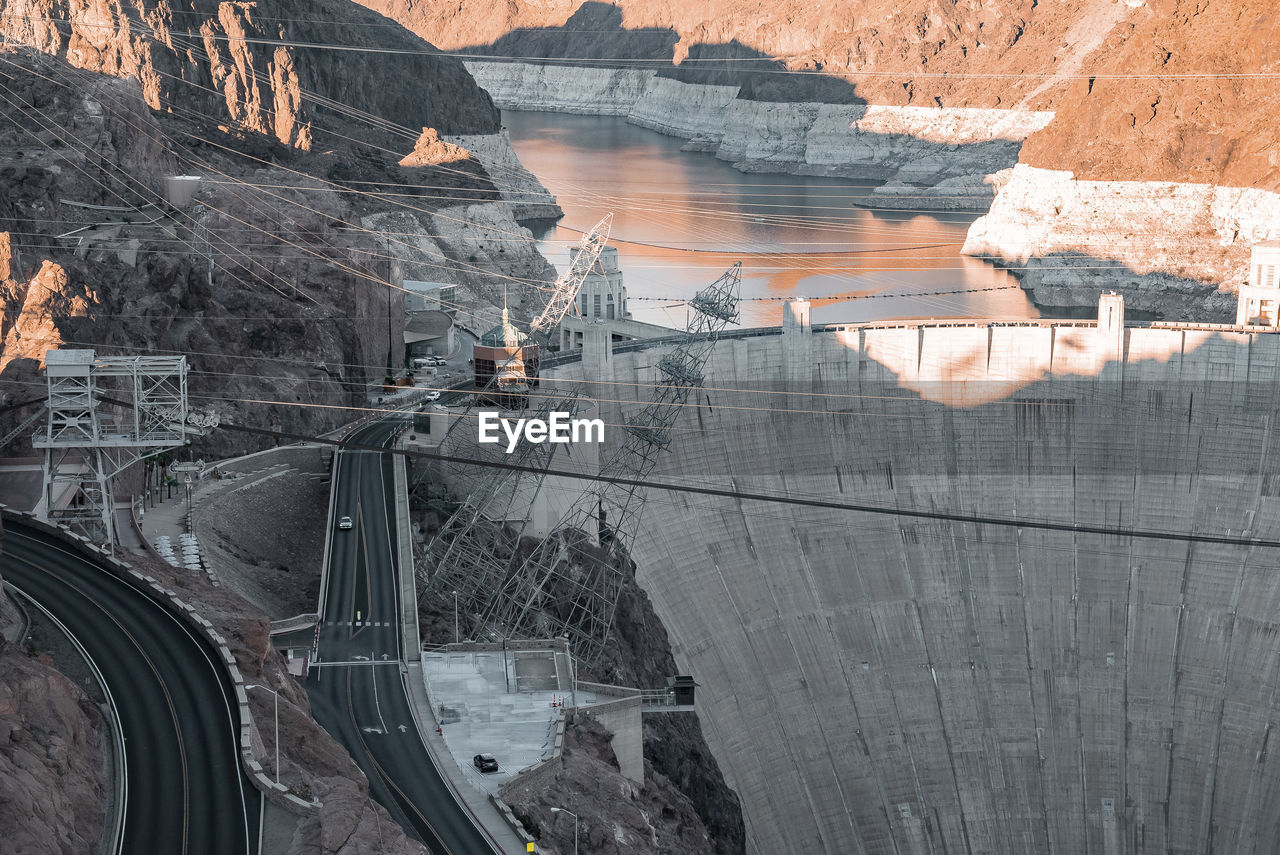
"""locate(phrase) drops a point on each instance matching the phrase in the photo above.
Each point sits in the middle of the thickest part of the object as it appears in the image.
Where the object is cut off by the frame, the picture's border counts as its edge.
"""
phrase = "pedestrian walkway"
(169, 518)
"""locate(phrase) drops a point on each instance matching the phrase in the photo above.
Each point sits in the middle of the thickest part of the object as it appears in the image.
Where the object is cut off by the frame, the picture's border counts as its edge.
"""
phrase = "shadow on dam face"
(880, 684)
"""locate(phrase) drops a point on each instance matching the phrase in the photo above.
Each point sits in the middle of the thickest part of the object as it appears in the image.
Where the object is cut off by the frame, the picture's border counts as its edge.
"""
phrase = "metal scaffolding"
(471, 552)
(570, 582)
(86, 448)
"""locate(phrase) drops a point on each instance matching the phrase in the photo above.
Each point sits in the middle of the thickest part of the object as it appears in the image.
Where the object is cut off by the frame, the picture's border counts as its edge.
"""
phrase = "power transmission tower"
(565, 291)
(471, 552)
(85, 449)
(570, 583)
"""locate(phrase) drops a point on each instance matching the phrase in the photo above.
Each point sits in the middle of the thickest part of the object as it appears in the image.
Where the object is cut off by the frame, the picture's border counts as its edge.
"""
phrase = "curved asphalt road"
(357, 691)
(186, 791)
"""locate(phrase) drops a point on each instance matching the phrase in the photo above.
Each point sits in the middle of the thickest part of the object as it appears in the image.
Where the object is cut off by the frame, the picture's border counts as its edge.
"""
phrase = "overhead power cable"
(824, 503)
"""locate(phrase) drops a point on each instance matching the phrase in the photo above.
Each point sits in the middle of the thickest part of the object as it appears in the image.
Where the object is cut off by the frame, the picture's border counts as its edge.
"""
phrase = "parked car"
(485, 762)
(344, 523)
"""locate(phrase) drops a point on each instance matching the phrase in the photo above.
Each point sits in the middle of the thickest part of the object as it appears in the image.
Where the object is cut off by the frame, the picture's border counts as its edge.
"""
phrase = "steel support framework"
(565, 291)
(571, 581)
(473, 549)
(86, 448)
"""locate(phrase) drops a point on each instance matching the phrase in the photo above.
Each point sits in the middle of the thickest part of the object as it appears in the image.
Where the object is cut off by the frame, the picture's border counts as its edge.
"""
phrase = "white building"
(430, 297)
(602, 299)
(1258, 303)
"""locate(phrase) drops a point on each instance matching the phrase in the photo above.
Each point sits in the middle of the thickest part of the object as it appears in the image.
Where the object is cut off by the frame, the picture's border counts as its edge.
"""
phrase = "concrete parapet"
(293, 624)
(509, 816)
(409, 633)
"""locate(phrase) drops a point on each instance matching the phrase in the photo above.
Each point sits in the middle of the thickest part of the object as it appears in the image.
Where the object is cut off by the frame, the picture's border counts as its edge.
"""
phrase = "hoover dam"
(888, 683)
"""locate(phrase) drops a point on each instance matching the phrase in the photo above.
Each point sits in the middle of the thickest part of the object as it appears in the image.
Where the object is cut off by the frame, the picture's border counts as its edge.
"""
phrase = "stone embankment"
(518, 187)
(916, 145)
(1176, 250)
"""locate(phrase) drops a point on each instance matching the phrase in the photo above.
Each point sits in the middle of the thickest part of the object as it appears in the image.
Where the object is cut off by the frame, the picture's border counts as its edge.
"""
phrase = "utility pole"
(575, 826)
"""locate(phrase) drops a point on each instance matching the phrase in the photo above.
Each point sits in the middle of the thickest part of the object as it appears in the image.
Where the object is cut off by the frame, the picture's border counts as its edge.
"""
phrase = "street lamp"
(455, 618)
(575, 826)
(277, 718)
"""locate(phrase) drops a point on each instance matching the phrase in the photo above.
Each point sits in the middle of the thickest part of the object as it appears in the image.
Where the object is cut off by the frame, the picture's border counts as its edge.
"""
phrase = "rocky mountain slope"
(269, 279)
(52, 773)
(1126, 77)
(225, 59)
(1184, 91)
(1142, 108)
(887, 45)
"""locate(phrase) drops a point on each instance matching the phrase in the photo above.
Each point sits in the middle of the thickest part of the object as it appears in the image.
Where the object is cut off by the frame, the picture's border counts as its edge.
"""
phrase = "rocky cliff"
(920, 145)
(1183, 91)
(267, 278)
(1175, 250)
(615, 816)
(251, 65)
(53, 791)
(847, 51)
(53, 787)
(1165, 90)
(1169, 91)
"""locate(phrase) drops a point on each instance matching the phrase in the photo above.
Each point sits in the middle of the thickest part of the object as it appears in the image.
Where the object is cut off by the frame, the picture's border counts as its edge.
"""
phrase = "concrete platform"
(505, 704)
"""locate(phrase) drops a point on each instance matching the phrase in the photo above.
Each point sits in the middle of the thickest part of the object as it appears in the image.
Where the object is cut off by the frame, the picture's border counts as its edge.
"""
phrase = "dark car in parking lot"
(485, 762)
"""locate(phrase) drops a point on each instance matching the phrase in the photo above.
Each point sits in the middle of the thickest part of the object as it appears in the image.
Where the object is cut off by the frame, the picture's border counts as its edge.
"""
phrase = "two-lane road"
(186, 792)
(357, 690)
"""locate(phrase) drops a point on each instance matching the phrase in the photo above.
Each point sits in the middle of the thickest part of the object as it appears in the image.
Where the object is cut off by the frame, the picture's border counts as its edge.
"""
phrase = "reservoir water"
(681, 218)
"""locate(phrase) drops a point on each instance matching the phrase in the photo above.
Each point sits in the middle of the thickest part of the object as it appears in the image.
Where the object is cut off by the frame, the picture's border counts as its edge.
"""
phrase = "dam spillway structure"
(1057, 629)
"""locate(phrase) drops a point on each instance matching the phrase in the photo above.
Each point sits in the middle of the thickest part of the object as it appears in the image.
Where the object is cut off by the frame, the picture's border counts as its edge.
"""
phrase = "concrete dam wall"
(886, 684)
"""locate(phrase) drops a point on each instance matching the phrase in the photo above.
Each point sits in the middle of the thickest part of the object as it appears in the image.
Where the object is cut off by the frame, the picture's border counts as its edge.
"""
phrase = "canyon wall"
(518, 187)
(919, 145)
(268, 279)
(1176, 91)
(217, 58)
(881, 684)
(1177, 250)
(790, 50)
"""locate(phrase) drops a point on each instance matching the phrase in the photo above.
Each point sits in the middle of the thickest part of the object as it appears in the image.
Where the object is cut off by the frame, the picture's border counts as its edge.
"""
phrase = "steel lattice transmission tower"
(570, 583)
(85, 448)
(472, 551)
(565, 291)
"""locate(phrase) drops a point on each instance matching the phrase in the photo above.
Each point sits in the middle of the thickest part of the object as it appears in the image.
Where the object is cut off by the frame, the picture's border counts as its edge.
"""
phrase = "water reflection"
(681, 218)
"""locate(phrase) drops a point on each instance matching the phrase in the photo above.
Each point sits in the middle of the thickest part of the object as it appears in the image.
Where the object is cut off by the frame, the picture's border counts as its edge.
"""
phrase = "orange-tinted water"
(681, 218)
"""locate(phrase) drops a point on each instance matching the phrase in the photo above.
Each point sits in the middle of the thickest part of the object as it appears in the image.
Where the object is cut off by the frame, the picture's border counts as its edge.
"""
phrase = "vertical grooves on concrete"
(843, 618)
